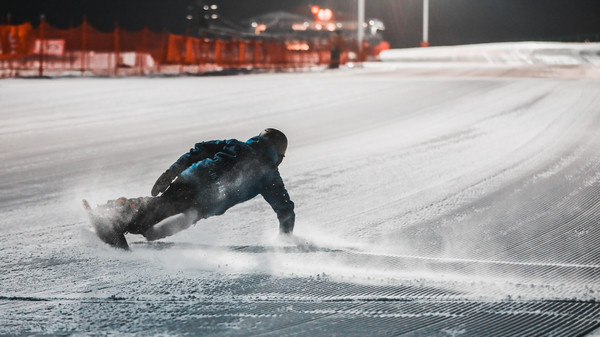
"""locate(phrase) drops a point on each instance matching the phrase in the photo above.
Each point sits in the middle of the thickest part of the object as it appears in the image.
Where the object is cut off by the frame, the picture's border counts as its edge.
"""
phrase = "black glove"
(287, 226)
(162, 183)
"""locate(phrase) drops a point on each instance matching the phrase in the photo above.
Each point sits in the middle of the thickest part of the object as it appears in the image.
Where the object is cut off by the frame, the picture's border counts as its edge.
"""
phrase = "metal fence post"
(41, 28)
(117, 50)
(83, 44)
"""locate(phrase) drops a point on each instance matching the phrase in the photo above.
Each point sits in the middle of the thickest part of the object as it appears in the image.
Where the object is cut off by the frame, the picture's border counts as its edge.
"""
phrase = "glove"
(286, 227)
(162, 183)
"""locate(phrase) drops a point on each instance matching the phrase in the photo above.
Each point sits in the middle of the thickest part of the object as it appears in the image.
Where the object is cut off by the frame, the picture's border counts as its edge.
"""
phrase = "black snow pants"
(178, 198)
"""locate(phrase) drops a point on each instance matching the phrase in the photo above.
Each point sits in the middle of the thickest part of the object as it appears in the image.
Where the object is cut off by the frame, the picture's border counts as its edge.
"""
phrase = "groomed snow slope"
(432, 199)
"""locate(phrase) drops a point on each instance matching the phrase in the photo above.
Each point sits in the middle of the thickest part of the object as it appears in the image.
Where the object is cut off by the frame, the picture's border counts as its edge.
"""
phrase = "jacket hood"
(264, 147)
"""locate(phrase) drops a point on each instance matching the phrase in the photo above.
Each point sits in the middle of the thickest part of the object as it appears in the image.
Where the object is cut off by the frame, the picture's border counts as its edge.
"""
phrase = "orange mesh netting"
(25, 50)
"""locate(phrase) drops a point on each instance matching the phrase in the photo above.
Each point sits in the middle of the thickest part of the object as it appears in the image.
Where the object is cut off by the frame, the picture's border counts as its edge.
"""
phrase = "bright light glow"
(331, 27)
(214, 16)
(325, 14)
(260, 28)
(318, 26)
(315, 10)
(299, 26)
(254, 24)
(297, 46)
(213, 7)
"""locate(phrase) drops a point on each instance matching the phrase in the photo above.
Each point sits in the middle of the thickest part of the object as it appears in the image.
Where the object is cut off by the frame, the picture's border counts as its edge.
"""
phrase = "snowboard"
(101, 220)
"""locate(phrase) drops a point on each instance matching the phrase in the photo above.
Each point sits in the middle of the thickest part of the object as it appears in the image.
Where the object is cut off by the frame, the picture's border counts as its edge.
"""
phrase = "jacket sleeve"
(277, 196)
(199, 152)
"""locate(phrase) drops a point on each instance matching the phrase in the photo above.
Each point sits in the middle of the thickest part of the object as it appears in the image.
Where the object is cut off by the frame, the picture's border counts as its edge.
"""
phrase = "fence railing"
(48, 51)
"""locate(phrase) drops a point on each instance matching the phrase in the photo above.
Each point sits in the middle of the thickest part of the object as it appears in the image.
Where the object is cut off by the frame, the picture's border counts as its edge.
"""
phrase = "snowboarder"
(209, 179)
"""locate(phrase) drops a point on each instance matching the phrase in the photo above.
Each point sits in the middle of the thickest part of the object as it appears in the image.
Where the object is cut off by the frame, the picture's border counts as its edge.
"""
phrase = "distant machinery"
(314, 27)
(321, 24)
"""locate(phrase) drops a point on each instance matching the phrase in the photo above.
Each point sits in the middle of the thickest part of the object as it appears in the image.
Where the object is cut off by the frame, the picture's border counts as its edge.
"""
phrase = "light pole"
(361, 31)
(425, 42)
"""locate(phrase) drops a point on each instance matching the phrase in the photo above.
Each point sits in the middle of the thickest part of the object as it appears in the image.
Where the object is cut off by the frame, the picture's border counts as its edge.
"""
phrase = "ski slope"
(442, 192)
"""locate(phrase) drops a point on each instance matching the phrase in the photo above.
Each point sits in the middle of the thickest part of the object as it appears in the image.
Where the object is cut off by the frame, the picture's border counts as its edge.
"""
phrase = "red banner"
(16, 41)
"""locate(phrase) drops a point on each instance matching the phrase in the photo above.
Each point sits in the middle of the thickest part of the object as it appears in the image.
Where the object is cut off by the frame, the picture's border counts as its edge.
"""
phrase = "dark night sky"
(451, 21)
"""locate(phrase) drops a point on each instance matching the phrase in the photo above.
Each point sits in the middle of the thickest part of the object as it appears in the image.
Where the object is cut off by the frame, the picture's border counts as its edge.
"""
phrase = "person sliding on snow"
(209, 179)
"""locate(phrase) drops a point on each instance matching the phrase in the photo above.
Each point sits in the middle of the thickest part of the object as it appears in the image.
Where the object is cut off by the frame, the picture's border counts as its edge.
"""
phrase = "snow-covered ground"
(436, 197)
(523, 59)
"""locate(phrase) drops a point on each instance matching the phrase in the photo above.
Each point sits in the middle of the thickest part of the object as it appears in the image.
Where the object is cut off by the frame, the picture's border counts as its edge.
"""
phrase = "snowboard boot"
(113, 219)
(112, 236)
(104, 218)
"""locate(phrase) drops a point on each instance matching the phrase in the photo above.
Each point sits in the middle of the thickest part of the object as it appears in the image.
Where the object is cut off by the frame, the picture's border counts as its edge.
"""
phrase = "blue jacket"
(225, 173)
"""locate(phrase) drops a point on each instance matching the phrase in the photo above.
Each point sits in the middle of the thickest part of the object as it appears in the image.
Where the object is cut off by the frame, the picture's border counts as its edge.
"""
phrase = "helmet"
(278, 139)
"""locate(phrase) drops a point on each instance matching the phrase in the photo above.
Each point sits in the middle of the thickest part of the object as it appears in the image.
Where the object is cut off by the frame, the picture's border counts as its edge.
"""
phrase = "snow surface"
(524, 59)
(434, 197)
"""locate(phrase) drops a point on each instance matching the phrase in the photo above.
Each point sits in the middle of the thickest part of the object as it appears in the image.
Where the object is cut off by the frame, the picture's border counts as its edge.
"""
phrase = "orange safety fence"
(46, 50)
